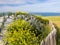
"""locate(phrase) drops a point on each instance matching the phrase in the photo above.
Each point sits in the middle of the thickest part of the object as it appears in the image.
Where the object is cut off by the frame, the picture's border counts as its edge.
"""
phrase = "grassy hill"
(56, 21)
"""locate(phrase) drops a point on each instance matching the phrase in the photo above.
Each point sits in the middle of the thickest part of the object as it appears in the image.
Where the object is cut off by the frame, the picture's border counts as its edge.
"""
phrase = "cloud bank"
(30, 5)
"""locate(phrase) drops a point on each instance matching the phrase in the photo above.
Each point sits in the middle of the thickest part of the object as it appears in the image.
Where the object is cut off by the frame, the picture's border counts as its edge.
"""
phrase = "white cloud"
(12, 1)
(17, 1)
(49, 6)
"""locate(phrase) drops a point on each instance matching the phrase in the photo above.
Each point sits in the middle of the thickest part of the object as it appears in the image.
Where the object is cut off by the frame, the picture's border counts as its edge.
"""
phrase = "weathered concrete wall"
(51, 38)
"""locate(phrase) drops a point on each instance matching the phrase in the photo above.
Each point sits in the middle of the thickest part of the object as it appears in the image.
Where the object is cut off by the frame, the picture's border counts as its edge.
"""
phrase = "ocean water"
(47, 14)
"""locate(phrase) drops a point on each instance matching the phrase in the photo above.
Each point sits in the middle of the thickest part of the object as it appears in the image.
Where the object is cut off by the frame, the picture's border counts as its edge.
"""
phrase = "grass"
(56, 21)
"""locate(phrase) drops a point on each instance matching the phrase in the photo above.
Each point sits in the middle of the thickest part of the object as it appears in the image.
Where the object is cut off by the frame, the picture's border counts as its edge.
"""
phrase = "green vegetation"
(56, 21)
(18, 33)
(6, 14)
(22, 13)
(53, 18)
(0, 14)
(21, 32)
(9, 14)
(44, 21)
(57, 35)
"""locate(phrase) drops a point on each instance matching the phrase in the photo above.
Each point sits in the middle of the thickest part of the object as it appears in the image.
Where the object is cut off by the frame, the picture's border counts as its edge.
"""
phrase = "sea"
(46, 14)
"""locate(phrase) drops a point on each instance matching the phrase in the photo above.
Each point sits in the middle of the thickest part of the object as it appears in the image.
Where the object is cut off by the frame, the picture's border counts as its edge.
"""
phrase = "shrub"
(44, 21)
(22, 13)
(21, 32)
(57, 35)
(18, 33)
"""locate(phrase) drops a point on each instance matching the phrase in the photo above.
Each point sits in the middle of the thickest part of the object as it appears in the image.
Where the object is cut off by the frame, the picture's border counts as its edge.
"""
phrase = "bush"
(44, 21)
(18, 33)
(57, 35)
(21, 32)
(22, 13)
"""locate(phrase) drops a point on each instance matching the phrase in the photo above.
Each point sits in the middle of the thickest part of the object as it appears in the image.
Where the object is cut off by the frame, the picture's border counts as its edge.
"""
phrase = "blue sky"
(30, 5)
